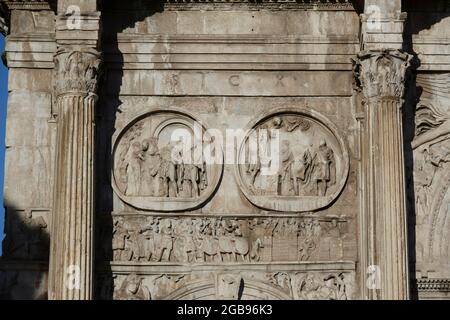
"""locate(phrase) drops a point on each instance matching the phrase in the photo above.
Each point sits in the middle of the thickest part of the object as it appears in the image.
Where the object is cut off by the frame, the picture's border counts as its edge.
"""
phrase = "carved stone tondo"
(165, 161)
(292, 160)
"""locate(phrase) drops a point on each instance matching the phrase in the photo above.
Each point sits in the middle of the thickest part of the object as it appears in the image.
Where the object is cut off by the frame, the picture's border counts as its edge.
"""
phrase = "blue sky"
(3, 96)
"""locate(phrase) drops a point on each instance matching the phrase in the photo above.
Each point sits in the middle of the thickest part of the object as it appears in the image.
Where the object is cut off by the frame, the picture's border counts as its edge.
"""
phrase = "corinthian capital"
(77, 70)
(381, 73)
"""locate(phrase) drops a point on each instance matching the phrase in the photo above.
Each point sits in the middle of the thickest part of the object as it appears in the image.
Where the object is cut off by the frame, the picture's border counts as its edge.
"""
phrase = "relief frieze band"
(289, 284)
(210, 240)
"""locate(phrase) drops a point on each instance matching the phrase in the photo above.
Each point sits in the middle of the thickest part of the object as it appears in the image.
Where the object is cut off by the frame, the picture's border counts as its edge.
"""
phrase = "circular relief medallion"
(292, 160)
(165, 161)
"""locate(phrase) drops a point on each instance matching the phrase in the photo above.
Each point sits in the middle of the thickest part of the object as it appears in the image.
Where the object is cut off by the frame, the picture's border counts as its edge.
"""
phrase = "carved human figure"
(308, 238)
(324, 172)
(133, 169)
(184, 245)
(195, 172)
(150, 166)
(124, 149)
(190, 179)
(229, 286)
(285, 176)
(168, 172)
(164, 241)
(120, 234)
(149, 230)
(255, 250)
(232, 242)
(342, 287)
(329, 289)
(307, 287)
(226, 241)
(134, 246)
(252, 155)
(200, 161)
(426, 165)
(303, 175)
(133, 289)
(206, 241)
(318, 287)
(282, 280)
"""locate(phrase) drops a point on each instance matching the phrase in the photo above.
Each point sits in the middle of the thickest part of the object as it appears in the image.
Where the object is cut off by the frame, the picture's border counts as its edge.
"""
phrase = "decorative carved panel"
(165, 161)
(311, 170)
(431, 151)
(198, 240)
(230, 285)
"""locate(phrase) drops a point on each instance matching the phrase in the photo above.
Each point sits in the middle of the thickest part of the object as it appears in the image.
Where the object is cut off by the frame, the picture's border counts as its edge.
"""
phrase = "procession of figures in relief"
(162, 164)
(226, 239)
(306, 165)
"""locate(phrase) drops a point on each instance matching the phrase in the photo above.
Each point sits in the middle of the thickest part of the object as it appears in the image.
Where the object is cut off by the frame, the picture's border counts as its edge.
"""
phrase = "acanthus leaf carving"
(77, 70)
(381, 73)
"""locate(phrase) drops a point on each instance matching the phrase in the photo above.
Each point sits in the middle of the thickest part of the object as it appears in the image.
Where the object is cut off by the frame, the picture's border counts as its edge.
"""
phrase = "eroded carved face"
(133, 285)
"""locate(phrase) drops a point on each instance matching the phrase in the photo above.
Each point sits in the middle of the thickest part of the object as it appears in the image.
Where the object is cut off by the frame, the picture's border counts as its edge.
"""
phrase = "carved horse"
(207, 246)
(236, 246)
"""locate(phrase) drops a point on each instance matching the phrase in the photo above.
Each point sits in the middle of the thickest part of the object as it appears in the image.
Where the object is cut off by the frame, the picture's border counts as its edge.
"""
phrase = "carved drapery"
(380, 75)
(71, 265)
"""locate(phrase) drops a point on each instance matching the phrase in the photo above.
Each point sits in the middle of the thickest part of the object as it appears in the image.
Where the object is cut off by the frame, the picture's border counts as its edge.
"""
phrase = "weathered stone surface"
(328, 178)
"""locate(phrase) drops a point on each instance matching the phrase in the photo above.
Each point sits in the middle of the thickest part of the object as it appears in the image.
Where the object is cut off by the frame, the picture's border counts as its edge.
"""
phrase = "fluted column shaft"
(381, 77)
(72, 241)
(385, 125)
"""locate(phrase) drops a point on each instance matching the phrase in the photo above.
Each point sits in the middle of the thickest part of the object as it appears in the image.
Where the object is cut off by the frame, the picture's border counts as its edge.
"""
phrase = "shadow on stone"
(117, 15)
(24, 264)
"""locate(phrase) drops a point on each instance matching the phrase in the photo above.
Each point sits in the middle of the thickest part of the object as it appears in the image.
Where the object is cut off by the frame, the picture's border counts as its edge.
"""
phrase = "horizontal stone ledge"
(31, 64)
(236, 39)
(266, 214)
(228, 58)
(434, 67)
(231, 66)
(156, 268)
(249, 49)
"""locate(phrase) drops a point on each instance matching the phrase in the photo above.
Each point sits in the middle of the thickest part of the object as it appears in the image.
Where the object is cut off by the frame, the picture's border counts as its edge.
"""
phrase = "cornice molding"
(441, 285)
(7, 5)
(29, 4)
(257, 5)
